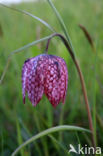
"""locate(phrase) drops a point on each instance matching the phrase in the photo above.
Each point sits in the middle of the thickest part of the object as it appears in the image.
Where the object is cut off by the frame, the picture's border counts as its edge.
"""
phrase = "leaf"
(49, 131)
(19, 50)
(1, 31)
(31, 15)
(19, 136)
(59, 144)
(61, 23)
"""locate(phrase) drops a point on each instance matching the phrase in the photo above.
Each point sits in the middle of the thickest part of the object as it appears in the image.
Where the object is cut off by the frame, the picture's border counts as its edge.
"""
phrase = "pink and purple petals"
(45, 74)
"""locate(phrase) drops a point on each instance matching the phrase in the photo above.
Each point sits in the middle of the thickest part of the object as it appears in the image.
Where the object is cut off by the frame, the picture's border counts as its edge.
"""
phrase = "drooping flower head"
(45, 74)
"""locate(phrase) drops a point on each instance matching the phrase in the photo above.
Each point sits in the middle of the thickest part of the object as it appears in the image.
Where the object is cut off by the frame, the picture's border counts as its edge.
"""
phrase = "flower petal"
(32, 80)
(55, 84)
(64, 79)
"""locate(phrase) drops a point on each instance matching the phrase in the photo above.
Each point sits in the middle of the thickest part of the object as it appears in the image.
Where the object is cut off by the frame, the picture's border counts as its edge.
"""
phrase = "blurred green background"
(19, 122)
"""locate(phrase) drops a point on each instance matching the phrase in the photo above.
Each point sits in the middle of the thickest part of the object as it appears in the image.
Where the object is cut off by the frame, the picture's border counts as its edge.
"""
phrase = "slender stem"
(86, 101)
(64, 41)
(81, 80)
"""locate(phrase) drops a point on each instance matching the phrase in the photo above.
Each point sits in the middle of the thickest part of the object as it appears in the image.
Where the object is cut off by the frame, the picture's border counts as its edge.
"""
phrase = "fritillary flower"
(45, 74)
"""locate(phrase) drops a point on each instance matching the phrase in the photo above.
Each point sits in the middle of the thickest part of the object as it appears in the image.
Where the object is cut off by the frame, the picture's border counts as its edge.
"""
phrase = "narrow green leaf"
(19, 137)
(49, 131)
(28, 134)
(31, 15)
(60, 145)
(94, 97)
(30, 45)
(19, 50)
(61, 23)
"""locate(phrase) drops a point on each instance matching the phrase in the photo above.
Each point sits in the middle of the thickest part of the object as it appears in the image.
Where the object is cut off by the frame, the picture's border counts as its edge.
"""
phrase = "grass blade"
(19, 50)
(28, 134)
(61, 23)
(94, 97)
(60, 145)
(49, 131)
(31, 15)
(19, 137)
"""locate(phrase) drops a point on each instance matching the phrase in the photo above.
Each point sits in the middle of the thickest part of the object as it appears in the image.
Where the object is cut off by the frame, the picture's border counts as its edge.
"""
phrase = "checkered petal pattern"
(45, 74)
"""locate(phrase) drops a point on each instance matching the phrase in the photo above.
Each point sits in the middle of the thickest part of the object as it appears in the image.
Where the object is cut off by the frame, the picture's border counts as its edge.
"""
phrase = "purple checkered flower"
(45, 74)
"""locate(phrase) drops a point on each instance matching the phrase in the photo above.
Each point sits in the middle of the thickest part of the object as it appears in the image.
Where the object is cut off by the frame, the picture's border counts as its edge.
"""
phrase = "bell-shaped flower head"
(45, 74)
